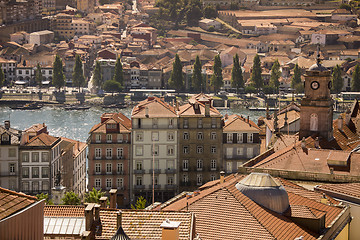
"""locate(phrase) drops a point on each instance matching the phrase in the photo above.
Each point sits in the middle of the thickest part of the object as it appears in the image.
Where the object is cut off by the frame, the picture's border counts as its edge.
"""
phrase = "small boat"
(76, 107)
(29, 106)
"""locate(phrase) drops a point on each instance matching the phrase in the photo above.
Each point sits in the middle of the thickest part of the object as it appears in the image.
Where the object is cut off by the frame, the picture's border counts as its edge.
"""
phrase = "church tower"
(316, 112)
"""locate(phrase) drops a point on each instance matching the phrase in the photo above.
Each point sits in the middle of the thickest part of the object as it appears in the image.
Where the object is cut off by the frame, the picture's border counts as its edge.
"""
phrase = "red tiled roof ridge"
(115, 117)
(189, 105)
(20, 194)
(236, 116)
(40, 137)
(143, 104)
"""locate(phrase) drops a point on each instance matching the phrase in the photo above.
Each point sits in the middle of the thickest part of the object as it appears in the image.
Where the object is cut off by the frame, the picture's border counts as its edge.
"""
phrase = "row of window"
(155, 136)
(35, 186)
(248, 151)
(199, 164)
(109, 183)
(199, 136)
(35, 157)
(109, 153)
(239, 137)
(199, 178)
(34, 172)
(199, 149)
(109, 168)
(170, 180)
(199, 123)
(109, 137)
(170, 150)
(169, 165)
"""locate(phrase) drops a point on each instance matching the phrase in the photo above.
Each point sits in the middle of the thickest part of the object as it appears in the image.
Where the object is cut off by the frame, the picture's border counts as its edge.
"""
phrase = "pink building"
(109, 154)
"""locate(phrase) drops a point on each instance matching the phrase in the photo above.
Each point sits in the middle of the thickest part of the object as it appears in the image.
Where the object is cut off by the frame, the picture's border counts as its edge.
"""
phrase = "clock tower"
(316, 112)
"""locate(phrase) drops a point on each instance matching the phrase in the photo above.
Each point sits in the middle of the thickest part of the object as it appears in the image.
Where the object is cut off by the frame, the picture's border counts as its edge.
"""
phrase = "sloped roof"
(11, 202)
(121, 119)
(42, 140)
(157, 108)
(345, 191)
(13, 133)
(239, 123)
(190, 110)
(238, 217)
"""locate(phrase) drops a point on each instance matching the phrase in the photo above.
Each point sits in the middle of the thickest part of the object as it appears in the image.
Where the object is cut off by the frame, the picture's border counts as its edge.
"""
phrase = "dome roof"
(318, 67)
(264, 190)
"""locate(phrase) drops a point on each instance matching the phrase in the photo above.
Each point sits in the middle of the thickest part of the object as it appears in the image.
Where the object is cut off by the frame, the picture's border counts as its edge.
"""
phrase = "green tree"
(97, 75)
(42, 196)
(58, 78)
(256, 73)
(237, 80)
(355, 83)
(216, 80)
(2, 76)
(193, 16)
(38, 75)
(71, 198)
(210, 12)
(275, 75)
(299, 87)
(140, 203)
(345, 6)
(296, 78)
(176, 80)
(94, 196)
(197, 79)
(119, 74)
(337, 81)
(250, 89)
(78, 73)
(112, 86)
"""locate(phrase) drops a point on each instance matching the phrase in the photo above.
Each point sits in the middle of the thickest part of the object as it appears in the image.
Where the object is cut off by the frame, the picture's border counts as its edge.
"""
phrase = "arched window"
(314, 122)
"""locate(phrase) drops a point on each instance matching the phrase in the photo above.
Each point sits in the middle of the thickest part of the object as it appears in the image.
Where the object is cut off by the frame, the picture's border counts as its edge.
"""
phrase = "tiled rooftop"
(11, 202)
(64, 211)
(238, 217)
(346, 191)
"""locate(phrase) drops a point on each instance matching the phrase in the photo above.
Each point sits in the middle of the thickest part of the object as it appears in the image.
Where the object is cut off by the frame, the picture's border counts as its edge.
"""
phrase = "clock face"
(330, 85)
(315, 85)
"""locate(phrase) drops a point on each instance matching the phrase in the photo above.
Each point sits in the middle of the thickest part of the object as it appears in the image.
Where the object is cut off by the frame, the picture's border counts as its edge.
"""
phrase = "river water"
(77, 124)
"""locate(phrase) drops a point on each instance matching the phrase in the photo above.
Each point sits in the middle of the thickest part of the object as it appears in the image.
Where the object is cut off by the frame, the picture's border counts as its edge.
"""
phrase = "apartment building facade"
(241, 141)
(200, 141)
(9, 152)
(109, 155)
(154, 146)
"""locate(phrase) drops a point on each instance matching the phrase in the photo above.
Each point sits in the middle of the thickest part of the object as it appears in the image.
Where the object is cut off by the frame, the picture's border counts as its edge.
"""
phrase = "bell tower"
(316, 112)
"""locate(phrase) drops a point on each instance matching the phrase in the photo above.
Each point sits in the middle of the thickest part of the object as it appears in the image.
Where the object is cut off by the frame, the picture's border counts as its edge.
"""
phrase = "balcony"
(156, 186)
(170, 186)
(156, 171)
(170, 171)
(139, 187)
(139, 171)
(199, 169)
(120, 173)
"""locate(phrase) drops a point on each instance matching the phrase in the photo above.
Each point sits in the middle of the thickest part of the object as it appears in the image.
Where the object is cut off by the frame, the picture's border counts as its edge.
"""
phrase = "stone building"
(200, 142)
(154, 146)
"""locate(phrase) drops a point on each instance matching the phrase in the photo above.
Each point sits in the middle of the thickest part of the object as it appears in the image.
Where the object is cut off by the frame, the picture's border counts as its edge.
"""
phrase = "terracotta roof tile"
(156, 108)
(42, 140)
(12, 202)
(346, 191)
(64, 211)
(239, 123)
(238, 217)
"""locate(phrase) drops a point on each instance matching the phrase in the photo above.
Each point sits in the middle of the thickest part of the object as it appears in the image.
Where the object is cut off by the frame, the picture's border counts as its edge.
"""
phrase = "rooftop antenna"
(318, 54)
(153, 175)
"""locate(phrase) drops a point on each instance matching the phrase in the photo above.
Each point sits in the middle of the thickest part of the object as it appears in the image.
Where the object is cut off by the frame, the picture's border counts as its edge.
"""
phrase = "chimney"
(103, 202)
(177, 106)
(340, 123)
(226, 116)
(119, 219)
(324, 199)
(317, 143)
(348, 117)
(207, 110)
(248, 119)
(170, 230)
(89, 216)
(7, 124)
(147, 112)
(97, 212)
(222, 177)
(113, 194)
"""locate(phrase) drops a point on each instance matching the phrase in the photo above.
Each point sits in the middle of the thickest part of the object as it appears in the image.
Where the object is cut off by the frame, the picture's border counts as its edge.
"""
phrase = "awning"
(20, 82)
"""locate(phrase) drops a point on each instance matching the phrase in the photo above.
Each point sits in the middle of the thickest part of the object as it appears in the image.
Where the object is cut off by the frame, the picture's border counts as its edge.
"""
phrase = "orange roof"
(157, 108)
(42, 140)
(239, 123)
(121, 119)
(346, 191)
(64, 211)
(190, 110)
(223, 212)
(12, 202)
